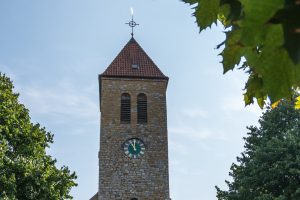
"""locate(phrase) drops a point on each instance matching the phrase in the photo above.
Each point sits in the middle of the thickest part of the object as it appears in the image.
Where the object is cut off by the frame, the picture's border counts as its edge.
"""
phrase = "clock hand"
(134, 145)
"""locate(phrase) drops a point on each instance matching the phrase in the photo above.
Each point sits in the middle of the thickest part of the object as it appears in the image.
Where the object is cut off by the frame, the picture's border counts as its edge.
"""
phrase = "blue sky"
(53, 50)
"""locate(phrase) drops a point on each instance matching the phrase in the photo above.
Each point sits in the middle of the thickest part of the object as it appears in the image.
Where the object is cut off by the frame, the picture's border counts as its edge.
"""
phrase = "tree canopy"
(26, 171)
(262, 38)
(269, 168)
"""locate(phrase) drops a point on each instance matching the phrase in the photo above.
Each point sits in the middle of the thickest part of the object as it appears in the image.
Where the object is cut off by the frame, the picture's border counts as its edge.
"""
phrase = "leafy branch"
(262, 38)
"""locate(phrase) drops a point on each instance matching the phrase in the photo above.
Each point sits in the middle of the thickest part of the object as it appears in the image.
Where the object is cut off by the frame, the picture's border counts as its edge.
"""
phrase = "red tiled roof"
(133, 62)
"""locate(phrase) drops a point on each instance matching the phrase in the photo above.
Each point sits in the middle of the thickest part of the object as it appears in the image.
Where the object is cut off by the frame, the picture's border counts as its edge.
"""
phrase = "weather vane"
(132, 23)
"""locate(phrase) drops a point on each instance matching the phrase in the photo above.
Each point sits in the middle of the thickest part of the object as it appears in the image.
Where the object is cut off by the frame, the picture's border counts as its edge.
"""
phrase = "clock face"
(134, 148)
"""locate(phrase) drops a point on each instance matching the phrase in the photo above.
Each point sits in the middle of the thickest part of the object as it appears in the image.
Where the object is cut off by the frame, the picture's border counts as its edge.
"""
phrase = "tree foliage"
(262, 38)
(26, 171)
(269, 168)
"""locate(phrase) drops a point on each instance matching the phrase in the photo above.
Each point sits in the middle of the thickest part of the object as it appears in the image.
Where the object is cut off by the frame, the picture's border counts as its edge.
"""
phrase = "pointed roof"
(133, 62)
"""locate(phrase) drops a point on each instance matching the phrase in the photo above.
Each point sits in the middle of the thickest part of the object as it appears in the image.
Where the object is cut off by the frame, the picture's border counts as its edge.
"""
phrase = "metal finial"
(132, 23)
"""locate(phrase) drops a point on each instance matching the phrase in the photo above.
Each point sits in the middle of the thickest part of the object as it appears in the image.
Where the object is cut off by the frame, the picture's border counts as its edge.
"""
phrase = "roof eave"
(135, 77)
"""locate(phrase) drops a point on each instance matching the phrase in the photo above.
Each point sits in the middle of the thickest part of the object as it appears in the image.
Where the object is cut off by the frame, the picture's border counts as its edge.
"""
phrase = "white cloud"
(61, 100)
(178, 148)
(194, 123)
(235, 103)
(194, 112)
(190, 132)
(194, 133)
(174, 163)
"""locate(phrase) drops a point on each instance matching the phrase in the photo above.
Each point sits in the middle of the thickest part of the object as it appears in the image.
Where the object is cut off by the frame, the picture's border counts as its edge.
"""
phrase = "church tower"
(133, 156)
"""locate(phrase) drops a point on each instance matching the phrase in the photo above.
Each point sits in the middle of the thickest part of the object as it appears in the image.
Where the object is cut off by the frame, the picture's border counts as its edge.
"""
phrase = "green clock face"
(134, 148)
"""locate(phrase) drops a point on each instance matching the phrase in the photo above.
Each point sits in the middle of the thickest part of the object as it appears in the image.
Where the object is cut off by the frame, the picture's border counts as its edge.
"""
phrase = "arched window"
(125, 108)
(141, 109)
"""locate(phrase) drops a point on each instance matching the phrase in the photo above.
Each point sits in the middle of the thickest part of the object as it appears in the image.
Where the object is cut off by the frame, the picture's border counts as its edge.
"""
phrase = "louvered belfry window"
(142, 109)
(125, 108)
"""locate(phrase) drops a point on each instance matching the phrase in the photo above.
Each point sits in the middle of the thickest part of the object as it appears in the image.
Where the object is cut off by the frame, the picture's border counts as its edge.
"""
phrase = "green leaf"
(232, 51)
(274, 35)
(248, 99)
(231, 57)
(223, 15)
(278, 73)
(254, 89)
(252, 36)
(261, 102)
(257, 12)
(206, 12)
(235, 9)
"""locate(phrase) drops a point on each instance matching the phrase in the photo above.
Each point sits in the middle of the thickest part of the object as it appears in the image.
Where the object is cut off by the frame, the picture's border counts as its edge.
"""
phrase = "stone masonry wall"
(121, 177)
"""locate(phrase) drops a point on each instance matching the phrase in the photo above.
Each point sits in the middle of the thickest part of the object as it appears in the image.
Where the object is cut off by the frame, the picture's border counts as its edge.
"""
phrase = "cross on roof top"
(132, 23)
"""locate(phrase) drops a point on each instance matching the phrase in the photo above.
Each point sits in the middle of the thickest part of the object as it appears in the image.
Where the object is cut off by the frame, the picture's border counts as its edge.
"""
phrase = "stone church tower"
(133, 157)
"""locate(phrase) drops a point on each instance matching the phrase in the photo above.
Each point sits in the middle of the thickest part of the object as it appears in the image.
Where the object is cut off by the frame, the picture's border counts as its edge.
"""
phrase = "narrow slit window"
(125, 108)
(142, 109)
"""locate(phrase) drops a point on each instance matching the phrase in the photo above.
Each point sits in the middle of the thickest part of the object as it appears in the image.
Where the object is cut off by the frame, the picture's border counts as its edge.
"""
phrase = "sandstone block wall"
(121, 177)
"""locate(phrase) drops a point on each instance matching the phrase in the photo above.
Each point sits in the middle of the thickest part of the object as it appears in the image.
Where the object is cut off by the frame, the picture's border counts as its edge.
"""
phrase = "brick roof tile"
(133, 54)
